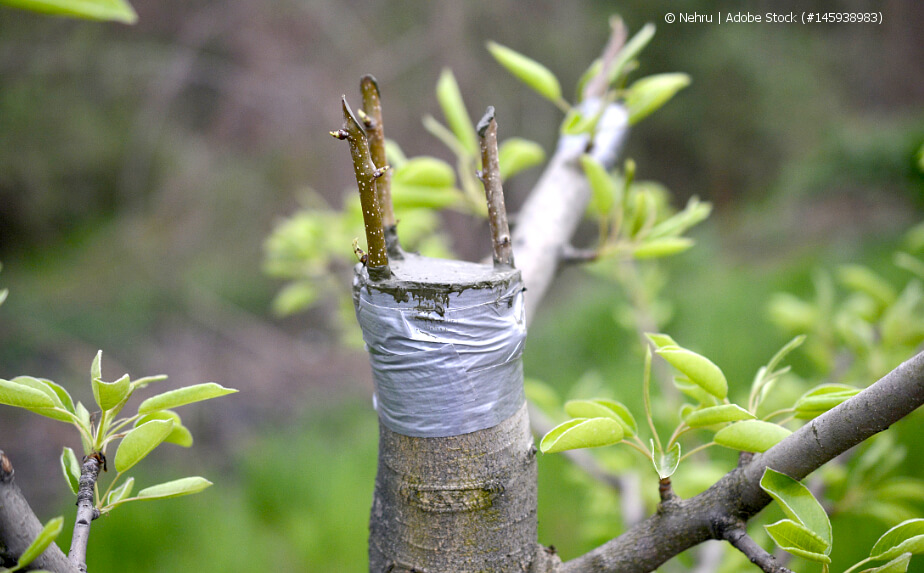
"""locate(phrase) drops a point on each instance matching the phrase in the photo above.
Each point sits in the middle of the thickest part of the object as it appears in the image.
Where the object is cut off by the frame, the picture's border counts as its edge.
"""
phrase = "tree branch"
(737, 497)
(739, 538)
(86, 511)
(19, 526)
(493, 189)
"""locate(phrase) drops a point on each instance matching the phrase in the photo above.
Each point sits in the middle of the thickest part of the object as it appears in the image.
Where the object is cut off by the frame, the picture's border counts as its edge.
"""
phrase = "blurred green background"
(142, 167)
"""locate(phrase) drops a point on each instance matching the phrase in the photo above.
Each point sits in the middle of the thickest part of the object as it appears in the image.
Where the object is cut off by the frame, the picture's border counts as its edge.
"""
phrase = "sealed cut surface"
(437, 276)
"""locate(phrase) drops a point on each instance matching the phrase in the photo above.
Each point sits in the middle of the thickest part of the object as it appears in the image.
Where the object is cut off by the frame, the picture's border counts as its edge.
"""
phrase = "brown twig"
(366, 174)
(375, 132)
(494, 190)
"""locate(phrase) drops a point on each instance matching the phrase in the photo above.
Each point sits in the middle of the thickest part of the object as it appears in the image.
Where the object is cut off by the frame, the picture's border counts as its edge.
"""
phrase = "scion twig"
(375, 132)
(494, 190)
(366, 174)
(86, 510)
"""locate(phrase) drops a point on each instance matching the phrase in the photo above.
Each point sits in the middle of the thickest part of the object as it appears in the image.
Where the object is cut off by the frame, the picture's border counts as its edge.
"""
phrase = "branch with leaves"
(136, 436)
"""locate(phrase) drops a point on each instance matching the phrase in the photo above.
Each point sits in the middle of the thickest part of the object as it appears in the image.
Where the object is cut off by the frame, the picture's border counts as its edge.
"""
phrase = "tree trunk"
(456, 483)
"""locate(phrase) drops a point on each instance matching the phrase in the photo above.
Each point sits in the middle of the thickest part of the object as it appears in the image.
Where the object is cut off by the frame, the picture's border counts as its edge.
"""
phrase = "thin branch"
(375, 131)
(86, 510)
(738, 496)
(366, 174)
(494, 191)
(19, 526)
(597, 86)
(743, 542)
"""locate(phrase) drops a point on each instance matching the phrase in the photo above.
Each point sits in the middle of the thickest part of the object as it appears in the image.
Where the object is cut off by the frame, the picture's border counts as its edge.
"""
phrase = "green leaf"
(175, 488)
(71, 468)
(798, 540)
(604, 191)
(49, 533)
(906, 537)
(517, 154)
(661, 340)
(694, 213)
(426, 172)
(648, 94)
(41, 386)
(23, 396)
(797, 503)
(665, 463)
(751, 436)
(180, 435)
(792, 313)
(110, 394)
(901, 489)
(121, 492)
(139, 442)
(183, 396)
(421, 197)
(819, 400)
(578, 121)
(864, 280)
(603, 408)
(631, 50)
(663, 247)
(450, 98)
(528, 71)
(295, 297)
(114, 10)
(897, 565)
(695, 392)
(96, 367)
(3, 294)
(699, 369)
(581, 433)
(717, 415)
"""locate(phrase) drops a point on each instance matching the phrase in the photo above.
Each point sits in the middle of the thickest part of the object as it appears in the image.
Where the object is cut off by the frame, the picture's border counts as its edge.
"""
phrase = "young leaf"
(751, 436)
(665, 463)
(517, 154)
(581, 433)
(41, 386)
(906, 537)
(695, 392)
(71, 468)
(604, 191)
(603, 408)
(717, 415)
(121, 492)
(661, 340)
(22, 396)
(663, 247)
(183, 396)
(49, 533)
(450, 98)
(694, 213)
(819, 400)
(897, 565)
(578, 121)
(797, 503)
(426, 172)
(648, 94)
(180, 435)
(139, 442)
(864, 280)
(110, 394)
(96, 367)
(699, 369)
(114, 10)
(631, 50)
(799, 540)
(175, 488)
(528, 71)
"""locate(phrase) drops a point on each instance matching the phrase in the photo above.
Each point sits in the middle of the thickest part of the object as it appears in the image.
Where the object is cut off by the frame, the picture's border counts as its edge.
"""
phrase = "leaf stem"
(647, 395)
(697, 449)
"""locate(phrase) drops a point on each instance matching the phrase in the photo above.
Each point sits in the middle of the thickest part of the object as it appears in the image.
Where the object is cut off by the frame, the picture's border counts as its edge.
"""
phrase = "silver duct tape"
(447, 366)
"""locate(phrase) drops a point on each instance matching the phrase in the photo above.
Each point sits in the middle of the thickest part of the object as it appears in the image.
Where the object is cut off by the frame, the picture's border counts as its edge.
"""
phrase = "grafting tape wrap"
(445, 358)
